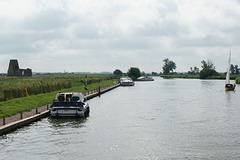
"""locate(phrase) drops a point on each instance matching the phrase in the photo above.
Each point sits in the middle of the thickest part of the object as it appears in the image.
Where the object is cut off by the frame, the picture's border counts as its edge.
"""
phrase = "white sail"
(228, 69)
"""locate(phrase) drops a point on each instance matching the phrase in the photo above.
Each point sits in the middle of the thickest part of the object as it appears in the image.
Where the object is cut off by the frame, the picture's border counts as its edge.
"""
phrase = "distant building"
(14, 70)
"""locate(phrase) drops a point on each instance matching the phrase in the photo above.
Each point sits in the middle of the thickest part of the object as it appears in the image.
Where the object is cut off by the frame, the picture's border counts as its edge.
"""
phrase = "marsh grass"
(13, 83)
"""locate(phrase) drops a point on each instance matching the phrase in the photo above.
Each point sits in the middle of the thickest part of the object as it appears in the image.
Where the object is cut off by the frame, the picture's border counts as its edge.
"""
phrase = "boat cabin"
(69, 97)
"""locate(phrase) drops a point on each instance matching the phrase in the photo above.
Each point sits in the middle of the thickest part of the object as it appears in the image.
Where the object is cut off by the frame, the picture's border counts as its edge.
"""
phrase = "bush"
(237, 80)
(206, 73)
(134, 73)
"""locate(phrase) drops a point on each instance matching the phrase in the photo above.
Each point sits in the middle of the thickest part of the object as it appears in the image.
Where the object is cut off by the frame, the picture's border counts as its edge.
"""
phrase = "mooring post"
(21, 115)
(36, 110)
(99, 90)
(3, 120)
(47, 107)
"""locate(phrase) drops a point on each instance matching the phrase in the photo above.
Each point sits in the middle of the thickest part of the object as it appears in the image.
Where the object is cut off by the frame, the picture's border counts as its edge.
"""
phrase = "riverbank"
(22, 104)
(187, 76)
(24, 118)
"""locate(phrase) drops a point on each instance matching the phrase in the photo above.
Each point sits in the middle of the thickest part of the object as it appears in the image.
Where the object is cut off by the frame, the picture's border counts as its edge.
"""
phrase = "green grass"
(17, 105)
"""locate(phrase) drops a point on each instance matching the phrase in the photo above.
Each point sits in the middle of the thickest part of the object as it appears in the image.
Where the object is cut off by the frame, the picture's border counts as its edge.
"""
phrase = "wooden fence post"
(37, 111)
(99, 90)
(21, 115)
(4, 121)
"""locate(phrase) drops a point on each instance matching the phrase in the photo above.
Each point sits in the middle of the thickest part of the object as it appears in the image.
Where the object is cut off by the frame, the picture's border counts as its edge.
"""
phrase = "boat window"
(68, 97)
(61, 98)
(74, 98)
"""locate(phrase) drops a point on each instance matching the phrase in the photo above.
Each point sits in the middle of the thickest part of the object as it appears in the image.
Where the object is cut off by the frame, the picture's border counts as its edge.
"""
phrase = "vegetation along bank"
(208, 71)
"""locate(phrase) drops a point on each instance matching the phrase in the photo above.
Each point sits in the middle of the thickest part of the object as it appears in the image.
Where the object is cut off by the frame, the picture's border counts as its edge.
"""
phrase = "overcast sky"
(104, 35)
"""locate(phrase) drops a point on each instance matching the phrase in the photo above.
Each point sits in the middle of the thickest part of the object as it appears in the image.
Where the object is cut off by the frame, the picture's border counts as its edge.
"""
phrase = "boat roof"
(73, 93)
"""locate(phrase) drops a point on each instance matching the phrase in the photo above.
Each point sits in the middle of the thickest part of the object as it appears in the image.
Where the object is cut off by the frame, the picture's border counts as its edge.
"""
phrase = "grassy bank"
(17, 105)
(45, 83)
(181, 76)
(221, 77)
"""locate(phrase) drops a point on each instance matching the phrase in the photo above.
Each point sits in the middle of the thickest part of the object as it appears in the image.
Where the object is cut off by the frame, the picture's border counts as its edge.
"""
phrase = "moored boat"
(126, 81)
(69, 105)
(145, 78)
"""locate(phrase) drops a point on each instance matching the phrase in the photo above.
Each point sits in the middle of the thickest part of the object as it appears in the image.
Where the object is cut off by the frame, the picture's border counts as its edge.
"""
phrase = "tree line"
(208, 69)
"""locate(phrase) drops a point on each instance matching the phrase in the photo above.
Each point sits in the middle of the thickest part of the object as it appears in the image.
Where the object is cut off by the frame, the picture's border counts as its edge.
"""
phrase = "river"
(172, 119)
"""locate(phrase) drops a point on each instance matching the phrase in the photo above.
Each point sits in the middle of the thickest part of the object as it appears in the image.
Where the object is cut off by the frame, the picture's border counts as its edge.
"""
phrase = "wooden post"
(36, 110)
(21, 117)
(99, 90)
(47, 107)
(3, 120)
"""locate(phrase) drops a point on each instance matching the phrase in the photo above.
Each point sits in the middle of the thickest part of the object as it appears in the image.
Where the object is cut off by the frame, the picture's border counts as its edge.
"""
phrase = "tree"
(236, 69)
(194, 70)
(134, 73)
(168, 66)
(117, 72)
(154, 73)
(208, 65)
(232, 69)
(205, 73)
(208, 69)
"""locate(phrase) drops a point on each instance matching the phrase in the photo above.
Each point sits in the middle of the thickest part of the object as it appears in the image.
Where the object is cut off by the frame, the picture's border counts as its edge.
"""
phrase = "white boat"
(126, 81)
(145, 78)
(228, 85)
(69, 105)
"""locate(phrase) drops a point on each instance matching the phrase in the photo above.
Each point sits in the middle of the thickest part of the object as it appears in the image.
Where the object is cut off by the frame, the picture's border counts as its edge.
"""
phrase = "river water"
(164, 119)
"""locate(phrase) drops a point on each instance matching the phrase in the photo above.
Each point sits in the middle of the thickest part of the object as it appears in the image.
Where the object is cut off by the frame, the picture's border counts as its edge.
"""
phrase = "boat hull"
(127, 83)
(69, 111)
(229, 87)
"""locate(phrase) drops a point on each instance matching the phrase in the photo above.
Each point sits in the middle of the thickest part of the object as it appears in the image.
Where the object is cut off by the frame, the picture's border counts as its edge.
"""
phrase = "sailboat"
(229, 86)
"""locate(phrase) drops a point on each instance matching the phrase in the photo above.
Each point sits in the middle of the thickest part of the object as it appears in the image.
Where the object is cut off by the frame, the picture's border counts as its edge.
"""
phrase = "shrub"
(237, 80)
(205, 73)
